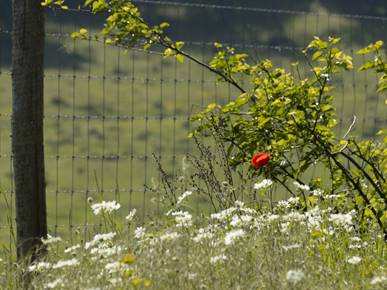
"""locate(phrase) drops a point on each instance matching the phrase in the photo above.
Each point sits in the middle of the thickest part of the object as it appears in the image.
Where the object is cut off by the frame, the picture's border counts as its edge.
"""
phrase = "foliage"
(293, 118)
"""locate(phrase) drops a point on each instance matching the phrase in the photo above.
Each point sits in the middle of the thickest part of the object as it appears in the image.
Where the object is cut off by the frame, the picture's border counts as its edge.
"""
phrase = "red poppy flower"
(260, 159)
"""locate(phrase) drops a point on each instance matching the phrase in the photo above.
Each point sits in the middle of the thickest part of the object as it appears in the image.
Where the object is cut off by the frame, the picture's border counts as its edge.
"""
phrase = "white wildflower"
(65, 263)
(139, 233)
(332, 196)
(316, 192)
(378, 279)
(354, 260)
(291, 247)
(114, 281)
(71, 249)
(355, 239)
(170, 236)
(233, 235)
(218, 259)
(105, 207)
(340, 219)
(325, 76)
(239, 204)
(202, 234)
(98, 238)
(39, 266)
(272, 217)
(294, 276)
(224, 214)
(356, 243)
(263, 184)
(292, 201)
(240, 220)
(283, 204)
(182, 218)
(314, 218)
(54, 284)
(131, 215)
(51, 239)
(301, 186)
(284, 227)
(294, 216)
(183, 196)
(106, 250)
(192, 276)
(113, 267)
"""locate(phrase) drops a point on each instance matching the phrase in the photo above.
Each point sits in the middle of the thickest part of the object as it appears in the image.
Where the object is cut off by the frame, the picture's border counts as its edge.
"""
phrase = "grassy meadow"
(237, 248)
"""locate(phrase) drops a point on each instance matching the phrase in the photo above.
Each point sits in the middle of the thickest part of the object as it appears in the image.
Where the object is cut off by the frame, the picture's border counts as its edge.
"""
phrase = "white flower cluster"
(39, 266)
(291, 247)
(291, 202)
(182, 218)
(131, 215)
(202, 235)
(232, 236)
(341, 219)
(71, 249)
(51, 240)
(378, 279)
(263, 184)
(294, 276)
(224, 214)
(55, 284)
(354, 260)
(98, 238)
(105, 207)
(139, 233)
(181, 198)
(301, 186)
(240, 220)
(357, 243)
(106, 250)
(113, 267)
(218, 259)
(170, 236)
(65, 263)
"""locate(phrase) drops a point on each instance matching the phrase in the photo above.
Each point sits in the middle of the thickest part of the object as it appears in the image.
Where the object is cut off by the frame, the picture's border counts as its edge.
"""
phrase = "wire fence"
(107, 110)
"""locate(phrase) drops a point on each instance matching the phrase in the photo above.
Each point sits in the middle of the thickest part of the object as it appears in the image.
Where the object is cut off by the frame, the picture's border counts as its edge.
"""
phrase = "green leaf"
(326, 108)
(318, 43)
(179, 45)
(83, 31)
(334, 40)
(168, 52)
(88, 2)
(164, 25)
(368, 65)
(370, 48)
(382, 88)
(317, 55)
(180, 57)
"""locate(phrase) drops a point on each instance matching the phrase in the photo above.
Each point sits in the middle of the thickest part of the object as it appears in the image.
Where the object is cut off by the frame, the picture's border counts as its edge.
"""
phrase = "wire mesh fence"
(108, 109)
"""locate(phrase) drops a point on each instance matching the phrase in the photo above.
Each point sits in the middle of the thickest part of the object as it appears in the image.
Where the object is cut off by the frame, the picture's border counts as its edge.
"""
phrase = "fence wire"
(107, 110)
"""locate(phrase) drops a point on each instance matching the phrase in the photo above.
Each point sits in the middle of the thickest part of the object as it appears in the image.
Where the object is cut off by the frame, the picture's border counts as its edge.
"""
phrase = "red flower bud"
(260, 159)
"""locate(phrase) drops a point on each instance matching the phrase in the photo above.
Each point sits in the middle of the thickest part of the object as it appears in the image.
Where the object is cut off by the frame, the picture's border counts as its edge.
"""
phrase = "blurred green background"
(107, 110)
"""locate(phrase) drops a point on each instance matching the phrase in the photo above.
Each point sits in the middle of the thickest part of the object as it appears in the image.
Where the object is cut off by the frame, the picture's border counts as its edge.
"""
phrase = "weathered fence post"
(27, 125)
